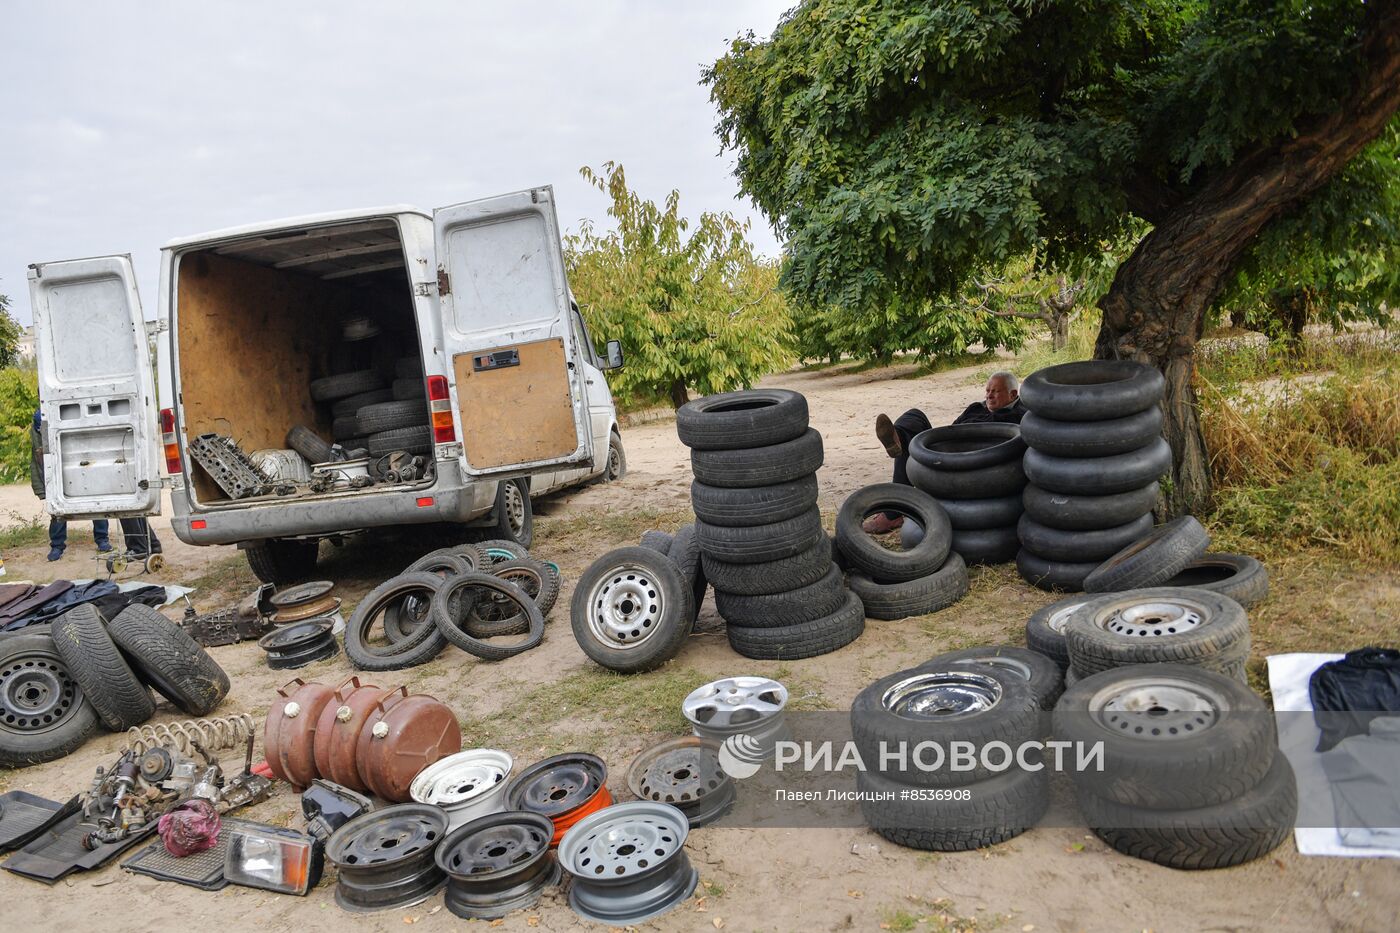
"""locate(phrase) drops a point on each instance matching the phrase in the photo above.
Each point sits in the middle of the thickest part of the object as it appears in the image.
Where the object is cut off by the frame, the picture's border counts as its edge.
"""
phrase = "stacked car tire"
(371, 413)
(1095, 454)
(759, 531)
(975, 473)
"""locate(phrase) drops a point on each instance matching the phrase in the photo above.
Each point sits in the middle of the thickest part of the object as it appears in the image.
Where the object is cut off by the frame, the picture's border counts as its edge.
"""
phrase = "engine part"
(628, 863)
(751, 706)
(337, 733)
(23, 816)
(223, 627)
(273, 858)
(155, 765)
(466, 785)
(385, 859)
(565, 788)
(328, 806)
(685, 773)
(223, 732)
(290, 730)
(401, 736)
(498, 863)
(228, 466)
(281, 466)
(299, 644)
(59, 850)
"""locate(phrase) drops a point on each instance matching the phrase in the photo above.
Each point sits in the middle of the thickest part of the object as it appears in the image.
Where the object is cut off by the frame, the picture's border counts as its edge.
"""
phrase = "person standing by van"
(58, 527)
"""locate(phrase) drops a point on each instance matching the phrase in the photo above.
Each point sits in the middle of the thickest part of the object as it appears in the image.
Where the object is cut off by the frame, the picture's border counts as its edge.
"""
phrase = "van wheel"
(515, 519)
(617, 460)
(282, 561)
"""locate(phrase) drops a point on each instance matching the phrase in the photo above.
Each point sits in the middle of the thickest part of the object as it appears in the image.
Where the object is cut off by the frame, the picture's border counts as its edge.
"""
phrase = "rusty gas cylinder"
(403, 735)
(290, 731)
(338, 730)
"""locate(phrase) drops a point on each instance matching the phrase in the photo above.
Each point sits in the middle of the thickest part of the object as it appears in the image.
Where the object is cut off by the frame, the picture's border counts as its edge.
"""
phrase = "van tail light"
(444, 431)
(168, 441)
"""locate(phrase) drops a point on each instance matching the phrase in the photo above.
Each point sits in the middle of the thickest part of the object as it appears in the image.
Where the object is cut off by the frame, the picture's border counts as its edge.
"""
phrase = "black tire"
(515, 515)
(1231, 833)
(408, 367)
(169, 660)
(344, 385)
(309, 444)
(1170, 758)
(94, 662)
(658, 541)
(777, 576)
(345, 428)
(804, 640)
(1075, 513)
(1151, 560)
(1052, 576)
(282, 560)
(867, 556)
(616, 467)
(965, 447)
(987, 545)
(1092, 438)
(1205, 629)
(1004, 479)
(1045, 629)
(445, 561)
(1086, 545)
(447, 620)
(977, 514)
(347, 407)
(421, 644)
(1072, 677)
(1013, 717)
(997, 809)
(1042, 673)
(411, 388)
(916, 597)
(1099, 476)
(804, 604)
(389, 416)
(740, 420)
(495, 550)
(761, 543)
(758, 505)
(1238, 576)
(1092, 390)
(415, 440)
(759, 466)
(46, 725)
(685, 552)
(598, 614)
(492, 617)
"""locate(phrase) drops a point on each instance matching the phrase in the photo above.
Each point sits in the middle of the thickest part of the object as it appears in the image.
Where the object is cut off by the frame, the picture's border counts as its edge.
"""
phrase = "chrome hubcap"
(942, 695)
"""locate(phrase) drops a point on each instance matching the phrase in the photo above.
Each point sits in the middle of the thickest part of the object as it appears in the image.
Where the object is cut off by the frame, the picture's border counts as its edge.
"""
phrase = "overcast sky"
(128, 124)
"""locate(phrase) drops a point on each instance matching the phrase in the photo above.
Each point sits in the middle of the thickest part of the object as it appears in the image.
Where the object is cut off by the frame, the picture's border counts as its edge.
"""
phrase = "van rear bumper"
(447, 500)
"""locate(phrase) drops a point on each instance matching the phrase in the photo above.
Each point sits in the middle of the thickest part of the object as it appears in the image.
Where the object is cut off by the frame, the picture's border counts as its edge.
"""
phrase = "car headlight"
(273, 858)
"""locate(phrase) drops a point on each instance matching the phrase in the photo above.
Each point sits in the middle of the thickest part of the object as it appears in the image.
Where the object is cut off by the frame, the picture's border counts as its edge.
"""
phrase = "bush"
(19, 396)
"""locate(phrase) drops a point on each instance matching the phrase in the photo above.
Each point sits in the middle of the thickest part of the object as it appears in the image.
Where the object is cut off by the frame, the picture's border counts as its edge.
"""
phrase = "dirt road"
(551, 699)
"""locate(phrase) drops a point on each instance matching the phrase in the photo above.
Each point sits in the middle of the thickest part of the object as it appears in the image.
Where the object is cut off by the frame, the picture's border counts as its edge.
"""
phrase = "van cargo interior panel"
(517, 407)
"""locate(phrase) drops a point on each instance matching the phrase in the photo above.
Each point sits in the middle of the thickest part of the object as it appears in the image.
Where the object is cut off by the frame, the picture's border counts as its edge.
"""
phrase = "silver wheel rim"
(1011, 665)
(942, 695)
(515, 509)
(36, 692)
(734, 704)
(614, 463)
(628, 862)
(1152, 618)
(1060, 618)
(466, 785)
(1159, 709)
(625, 607)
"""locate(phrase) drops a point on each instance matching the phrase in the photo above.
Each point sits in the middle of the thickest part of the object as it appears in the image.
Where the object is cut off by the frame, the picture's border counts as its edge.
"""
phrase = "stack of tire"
(1191, 775)
(915, 581)
(1095, 453)
(368, 413)
(975, 473)
(760, 533)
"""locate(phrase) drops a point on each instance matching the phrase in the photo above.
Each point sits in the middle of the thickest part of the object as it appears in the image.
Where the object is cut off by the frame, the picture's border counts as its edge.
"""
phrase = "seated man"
(1002, 403)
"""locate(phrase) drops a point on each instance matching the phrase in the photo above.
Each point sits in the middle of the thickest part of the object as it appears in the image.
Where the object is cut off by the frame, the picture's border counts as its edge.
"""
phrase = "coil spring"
(222, 732)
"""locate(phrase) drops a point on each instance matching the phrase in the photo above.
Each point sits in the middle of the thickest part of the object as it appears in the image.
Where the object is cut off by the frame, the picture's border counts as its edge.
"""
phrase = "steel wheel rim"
(628, 862)
(1060, 618)
(497, 864)
(466, 785)
(387, 858)
(686, 774)
(556, 786)
(942, 695)
(515, 509)
(1153, 618)
(36, 693)
(1158, 708)
(625, 607)
(614, 463)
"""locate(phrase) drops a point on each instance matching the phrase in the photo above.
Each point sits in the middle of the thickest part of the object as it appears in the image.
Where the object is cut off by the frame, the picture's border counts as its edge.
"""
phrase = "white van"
(469, 302)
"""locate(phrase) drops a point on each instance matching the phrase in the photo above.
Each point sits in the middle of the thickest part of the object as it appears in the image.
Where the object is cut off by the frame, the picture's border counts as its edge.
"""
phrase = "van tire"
(997, 809)
(761, 543)
(917, 597)
(164, 656)
(330, 388)
(412, 388)
(1153, 559)
(758, 505)
(95, 663)
(414, 440)
(734, 420)
(658, 541)
(390, 416)
(1000, 443)
(804, 604)
(778, 576)
(282, 560)
(309, 444)
(804, 640)
(864, 554)
(616, 467)
(521, 528)
(352, 404)
(590, 611)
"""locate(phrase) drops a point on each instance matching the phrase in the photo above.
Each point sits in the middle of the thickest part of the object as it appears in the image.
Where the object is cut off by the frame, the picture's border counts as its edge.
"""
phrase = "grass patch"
(24, 532)
(1229, 362)
(227, 576)
(621, 526)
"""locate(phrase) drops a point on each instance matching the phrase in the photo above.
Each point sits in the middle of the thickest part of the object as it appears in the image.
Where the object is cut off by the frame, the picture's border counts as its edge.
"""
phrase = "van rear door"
(96, 389)
(517, 376)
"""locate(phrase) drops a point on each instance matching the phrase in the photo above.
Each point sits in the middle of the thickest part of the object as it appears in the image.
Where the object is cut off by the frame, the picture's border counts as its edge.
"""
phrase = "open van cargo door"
(516, 368)
(96, 389)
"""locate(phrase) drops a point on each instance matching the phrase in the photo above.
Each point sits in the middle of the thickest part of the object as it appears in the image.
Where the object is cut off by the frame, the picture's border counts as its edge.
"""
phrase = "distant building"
(24, 349)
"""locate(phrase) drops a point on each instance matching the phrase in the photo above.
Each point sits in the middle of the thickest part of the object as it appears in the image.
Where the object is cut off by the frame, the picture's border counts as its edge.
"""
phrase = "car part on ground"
(757, 505)
(995, 809)
(230, 731)
(974, 472)
(459, 595)
(1044, 676)
(732, 706)
(272, 858)
(628, 863)
(289, 731)
(1238, 576)
(97, 666)
(370, 652)
(249, 620)
(43, 712)
(742, 420)
(916, 597)
(1151, 560)
(497, 863)
(865, 554)
(299, 644)
(335, 741)
(169, 660)
(803, 640)
(659, 541)
(631, 610)
(386, 859)
(228, 466)
(306, 601)
(402, 735)
(566, 788)
(1092, 390)
(23, 816)
(759, 466)
(1045, 629)
(467, 785)
(327, 806)
(684, 772)
(1163, 625)
(495, 550)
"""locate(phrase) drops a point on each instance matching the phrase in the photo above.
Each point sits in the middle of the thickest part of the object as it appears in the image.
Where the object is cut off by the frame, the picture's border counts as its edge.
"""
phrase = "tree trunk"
(1059, 330)
(1291, 310)
(1155, 309)
(679, 393)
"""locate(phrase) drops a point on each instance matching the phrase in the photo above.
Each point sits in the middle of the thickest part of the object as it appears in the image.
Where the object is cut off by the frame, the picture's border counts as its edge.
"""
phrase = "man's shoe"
(104, 548)
(55, 553)
(881, 524)
(884, 430)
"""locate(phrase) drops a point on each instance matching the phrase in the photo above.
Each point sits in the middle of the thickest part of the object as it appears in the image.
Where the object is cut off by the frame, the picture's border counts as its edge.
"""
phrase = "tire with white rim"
(1045, 629)
(1172, 625)
(631, 610)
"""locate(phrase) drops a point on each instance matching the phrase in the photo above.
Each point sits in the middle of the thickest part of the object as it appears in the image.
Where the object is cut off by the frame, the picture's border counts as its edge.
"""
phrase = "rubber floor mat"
(203, 870)
(58, 850)
(23, 816)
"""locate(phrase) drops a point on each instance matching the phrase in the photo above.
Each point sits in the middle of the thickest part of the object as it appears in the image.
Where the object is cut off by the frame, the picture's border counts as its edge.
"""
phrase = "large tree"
(901, 145)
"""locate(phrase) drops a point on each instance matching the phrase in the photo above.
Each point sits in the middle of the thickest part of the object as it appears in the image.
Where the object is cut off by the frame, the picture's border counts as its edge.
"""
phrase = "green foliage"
(694, 309)
(877, 335)
(10, 332)
(19, 396)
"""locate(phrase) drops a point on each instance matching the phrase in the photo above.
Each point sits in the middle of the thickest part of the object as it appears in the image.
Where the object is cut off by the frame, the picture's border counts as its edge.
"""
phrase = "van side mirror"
(614, 360)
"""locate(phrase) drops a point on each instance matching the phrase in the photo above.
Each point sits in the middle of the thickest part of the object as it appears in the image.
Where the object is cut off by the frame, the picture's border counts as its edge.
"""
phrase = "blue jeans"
(58, 533)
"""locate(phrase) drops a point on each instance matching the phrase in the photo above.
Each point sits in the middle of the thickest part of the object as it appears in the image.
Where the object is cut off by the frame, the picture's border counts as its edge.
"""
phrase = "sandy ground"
(836, 879)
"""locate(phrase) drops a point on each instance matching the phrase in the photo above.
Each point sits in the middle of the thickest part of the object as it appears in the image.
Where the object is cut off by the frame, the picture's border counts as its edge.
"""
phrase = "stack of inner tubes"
(975, 473)
(760, 533)
(1096, 452)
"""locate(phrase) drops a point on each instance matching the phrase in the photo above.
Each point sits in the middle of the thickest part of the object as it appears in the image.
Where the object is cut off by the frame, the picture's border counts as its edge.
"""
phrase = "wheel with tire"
(495, 550)
(916, 597)
(1075, 513)
(967, 447)
(165, 657)
(95, 663)
(389, 416)
(1151, 560)
(778, 576)
(365, 647)
(996, 809)
(978, 514)
(993, 482)
(1086, 545)
(1157, 626)
(1092, 390)
(616, 467)
(1092, 438)
(685, 552)
(282, 560)
(414, 440)
(1045, 629)
(631, 610)
(866, 555)
(803, 640)
(509, 599)
(756, 505)
(759, 466)
(344, 385)
(987, 545)
(1238, 576)
(1050, 575)
(44, 714)
(754, 544)
(1099, 476)
(658, 541)
(742, 420)
(794, 607)
(309, 444)
(493, 615)
(515, 516)
(1040, 672)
